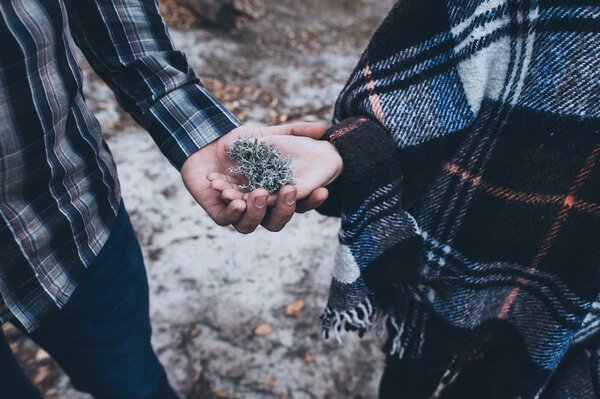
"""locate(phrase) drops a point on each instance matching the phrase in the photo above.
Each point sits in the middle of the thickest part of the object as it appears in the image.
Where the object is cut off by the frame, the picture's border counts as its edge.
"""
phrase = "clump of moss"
(261, 164)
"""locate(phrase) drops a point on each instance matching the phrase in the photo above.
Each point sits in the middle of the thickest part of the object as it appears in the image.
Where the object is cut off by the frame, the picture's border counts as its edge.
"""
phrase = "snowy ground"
(211, 288)
(218, 298)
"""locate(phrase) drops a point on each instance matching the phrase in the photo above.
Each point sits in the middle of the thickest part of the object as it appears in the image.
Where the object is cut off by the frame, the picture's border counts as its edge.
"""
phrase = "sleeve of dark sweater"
(370, 161)
(373, 159)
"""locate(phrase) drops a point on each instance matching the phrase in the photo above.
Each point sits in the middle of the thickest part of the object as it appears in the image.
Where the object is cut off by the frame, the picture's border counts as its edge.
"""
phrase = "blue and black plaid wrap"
(470, 199)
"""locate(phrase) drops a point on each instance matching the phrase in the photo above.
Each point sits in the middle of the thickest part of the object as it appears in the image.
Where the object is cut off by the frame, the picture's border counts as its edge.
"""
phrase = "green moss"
(261, 165)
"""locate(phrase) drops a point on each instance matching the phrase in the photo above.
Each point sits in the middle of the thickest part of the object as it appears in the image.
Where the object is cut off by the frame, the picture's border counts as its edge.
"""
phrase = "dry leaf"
(197, 376)
(308, 358)
(263, 330)
(271, 382)
(221, 393)
(177, 15)
(293, 309)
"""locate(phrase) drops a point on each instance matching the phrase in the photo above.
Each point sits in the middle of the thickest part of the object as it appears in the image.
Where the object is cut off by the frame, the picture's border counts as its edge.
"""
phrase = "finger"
(222, 185)
(314, 200)
(313, 130)
(220, 176)
(225, 214)
(256, 207)
(231, 194)
(271, 201)
(283, 211)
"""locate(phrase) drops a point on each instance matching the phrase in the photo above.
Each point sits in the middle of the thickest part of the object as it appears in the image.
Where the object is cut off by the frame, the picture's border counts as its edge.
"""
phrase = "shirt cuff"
(185, 120)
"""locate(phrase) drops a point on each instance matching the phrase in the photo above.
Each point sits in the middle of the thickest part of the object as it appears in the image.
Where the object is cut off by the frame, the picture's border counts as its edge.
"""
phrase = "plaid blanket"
(470, 199)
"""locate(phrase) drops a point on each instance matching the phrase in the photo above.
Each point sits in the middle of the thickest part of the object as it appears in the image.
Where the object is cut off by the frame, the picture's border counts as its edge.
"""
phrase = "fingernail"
(290, 198)
(260, 202)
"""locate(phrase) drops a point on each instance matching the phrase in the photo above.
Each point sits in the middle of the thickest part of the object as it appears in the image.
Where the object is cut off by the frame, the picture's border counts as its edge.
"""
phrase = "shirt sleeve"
(127, 44)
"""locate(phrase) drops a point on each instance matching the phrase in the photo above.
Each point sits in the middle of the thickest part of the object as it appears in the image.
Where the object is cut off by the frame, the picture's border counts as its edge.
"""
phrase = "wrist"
(338, 163)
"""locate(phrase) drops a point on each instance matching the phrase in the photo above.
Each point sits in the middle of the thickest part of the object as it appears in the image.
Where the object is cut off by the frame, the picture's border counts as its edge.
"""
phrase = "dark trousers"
(101, 338)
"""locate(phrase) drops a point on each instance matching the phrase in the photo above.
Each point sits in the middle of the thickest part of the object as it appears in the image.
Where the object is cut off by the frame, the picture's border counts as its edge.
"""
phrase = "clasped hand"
(315, 163)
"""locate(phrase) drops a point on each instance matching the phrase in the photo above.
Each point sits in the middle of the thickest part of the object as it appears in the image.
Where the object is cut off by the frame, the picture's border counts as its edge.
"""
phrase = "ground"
(238, 316)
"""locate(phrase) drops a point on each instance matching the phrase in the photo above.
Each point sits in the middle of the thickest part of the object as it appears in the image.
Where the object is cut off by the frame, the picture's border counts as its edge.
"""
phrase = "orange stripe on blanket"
(518, 196)
(373, 96)
(346, 129)
(568, 203)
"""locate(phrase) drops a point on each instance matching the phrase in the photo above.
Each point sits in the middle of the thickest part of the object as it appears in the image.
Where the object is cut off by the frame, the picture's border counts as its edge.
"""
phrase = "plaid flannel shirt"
(59, 192)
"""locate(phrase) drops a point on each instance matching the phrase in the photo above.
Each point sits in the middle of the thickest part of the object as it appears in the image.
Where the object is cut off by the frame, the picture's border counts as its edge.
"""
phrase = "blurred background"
(238, 316)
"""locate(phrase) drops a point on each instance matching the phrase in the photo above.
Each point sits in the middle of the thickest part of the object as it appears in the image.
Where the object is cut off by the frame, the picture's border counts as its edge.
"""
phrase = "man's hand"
(246, 211)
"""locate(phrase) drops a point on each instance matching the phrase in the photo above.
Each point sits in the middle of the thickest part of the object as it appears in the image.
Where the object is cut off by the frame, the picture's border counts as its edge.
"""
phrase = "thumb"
(314, 130)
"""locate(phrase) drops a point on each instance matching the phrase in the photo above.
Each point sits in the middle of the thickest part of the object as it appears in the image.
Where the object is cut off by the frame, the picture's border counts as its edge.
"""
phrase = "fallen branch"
(221, 13)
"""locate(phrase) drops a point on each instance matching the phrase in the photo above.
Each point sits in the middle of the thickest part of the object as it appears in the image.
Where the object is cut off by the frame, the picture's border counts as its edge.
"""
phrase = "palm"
(315, 163)
(214, 160)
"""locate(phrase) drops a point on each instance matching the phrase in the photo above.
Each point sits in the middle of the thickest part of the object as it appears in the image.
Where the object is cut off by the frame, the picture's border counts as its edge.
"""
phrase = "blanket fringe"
(363, 318)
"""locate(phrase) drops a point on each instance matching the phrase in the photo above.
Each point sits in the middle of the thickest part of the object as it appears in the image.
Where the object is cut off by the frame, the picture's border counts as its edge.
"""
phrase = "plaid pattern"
(59, 192)
(491, 113)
